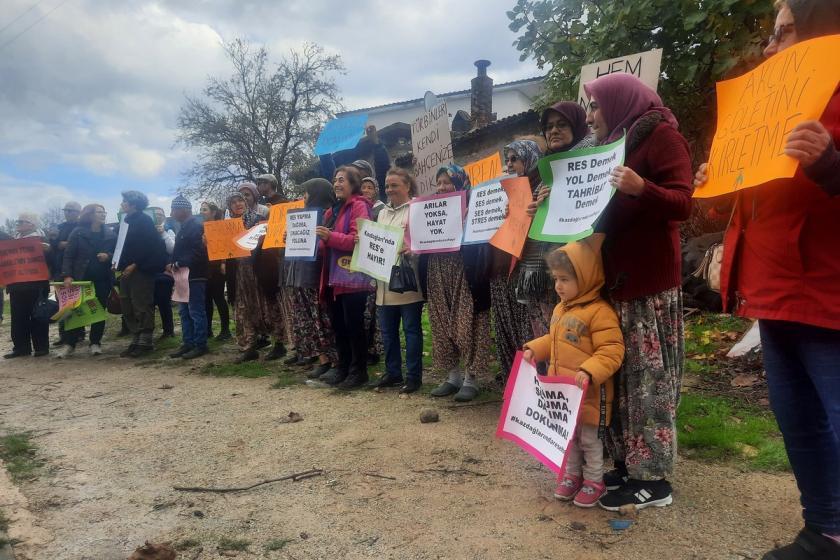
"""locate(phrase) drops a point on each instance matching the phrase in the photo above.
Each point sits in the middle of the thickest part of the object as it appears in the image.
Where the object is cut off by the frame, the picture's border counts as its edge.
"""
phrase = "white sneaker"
(95, 350)
(66, 351)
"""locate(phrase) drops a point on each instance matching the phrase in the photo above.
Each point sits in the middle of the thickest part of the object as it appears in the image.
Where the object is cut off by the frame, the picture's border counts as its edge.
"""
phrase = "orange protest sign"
(220, 235)
(513, 232)
(757, 112)
(22, 260)
(484, 169)
(277, 223)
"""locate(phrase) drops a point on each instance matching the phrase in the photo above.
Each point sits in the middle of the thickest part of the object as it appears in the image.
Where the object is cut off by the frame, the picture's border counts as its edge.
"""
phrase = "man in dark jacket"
(143, 255)
(71, 210)
(190, 252)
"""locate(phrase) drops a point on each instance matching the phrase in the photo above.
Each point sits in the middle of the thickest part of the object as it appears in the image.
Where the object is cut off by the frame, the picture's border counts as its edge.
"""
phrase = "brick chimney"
(481, 99)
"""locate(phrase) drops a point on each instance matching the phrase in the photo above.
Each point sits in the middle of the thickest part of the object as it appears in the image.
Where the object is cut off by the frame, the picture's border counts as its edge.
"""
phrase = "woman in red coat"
(781, 265)
(642, 264)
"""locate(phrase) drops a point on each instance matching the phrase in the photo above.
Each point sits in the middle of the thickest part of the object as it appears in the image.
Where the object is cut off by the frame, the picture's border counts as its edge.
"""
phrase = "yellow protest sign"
(757, 112)
(220, 236)
(277, 223)
(484, 169)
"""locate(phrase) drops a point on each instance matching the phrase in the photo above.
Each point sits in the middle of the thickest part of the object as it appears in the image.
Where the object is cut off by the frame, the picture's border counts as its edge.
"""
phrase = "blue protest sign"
(341, 134)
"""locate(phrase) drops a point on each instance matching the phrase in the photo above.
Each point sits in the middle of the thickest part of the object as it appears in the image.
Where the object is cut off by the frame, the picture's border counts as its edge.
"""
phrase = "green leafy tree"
(703, 41)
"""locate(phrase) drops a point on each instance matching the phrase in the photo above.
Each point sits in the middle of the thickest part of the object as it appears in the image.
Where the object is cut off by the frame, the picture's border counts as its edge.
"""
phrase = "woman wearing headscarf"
(642, 265)
(252, 198)
(312, 336)
(564, 128)
(370, 190)
(511, 320)
(346, 292)
(216, 280)
(458, 292)
(781, 266)
(251, 304)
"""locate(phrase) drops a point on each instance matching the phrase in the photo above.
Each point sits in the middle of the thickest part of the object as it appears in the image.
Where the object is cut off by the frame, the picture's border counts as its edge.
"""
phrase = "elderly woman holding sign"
(642, 265)
(458, 291)
(781, 265)
(405, 306)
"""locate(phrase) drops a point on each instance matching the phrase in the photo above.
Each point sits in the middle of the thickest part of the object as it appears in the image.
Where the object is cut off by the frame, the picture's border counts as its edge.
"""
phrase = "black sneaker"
(411, 386)
(291, 360)
(616, 478)
(196, 352)
(303, 362)
(224, 335)
(180, 351)
(319, 370)
(262, 342)
(384, 382)
(639, 493)
(809, 545)
(334, 376)
(276, 353)
(353, 381)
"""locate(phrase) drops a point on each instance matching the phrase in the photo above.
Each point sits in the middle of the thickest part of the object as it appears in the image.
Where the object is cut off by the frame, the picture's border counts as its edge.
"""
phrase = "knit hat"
(364, 166)
(371, 180)
(180, 201)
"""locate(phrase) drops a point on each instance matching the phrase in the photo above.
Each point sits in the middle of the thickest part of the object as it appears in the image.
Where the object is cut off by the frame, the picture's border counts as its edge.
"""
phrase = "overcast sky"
(91, 89)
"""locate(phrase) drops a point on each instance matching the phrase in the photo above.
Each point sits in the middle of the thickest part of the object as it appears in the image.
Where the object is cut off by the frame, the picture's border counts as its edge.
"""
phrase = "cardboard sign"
(485, 169)
(68, 298)
(758, 111)
(301, 241)
(485, 212)
(580, 191)
(220, 235)
(436, 223)
(342, 133)
(644, 65)
(22, 260)
(78, 306)
(277, 223)
(121, 235)
(513, 232)
(251, 238)
(540, 413)
(431, 143)
(181, 291)
(377, 250)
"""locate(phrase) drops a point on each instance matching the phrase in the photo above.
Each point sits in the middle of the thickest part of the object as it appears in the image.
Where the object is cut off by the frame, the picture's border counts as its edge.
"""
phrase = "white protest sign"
(251, 238)
(181, 291)
(115, 261)
(580, 191)
(486, 211)
(431, 143)
(301, 241)
(377, 250)
(540, 413)
(436, 223)
(644, 65)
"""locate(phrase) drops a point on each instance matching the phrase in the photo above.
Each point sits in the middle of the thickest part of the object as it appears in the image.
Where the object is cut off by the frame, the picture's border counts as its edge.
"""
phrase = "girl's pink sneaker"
(567, 486)
(589, 493)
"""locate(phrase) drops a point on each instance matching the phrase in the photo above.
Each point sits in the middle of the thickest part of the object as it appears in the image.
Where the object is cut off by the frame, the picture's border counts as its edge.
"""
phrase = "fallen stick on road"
(293, 477)
(450, 471)
(377, 475)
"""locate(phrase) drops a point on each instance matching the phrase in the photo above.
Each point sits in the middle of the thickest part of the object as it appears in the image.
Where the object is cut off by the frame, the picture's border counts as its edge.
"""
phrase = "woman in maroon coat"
(642, 264)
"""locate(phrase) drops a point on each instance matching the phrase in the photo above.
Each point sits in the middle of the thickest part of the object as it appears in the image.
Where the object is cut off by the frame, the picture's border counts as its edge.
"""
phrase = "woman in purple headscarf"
(642, 266)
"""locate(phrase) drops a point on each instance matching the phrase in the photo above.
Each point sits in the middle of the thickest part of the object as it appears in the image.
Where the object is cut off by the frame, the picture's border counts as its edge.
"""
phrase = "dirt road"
(116, 441)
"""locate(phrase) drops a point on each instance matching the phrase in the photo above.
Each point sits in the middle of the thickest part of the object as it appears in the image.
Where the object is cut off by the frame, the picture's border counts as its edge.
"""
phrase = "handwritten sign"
(78, 306)
(431, 143)
(301, 241)
(485, 169)
(342, 133)
(757, 112)
(436, 223)
(251, 238)
(181, 291)
(513, 232)
(22, 260)
(220, 235)
(277, 223)
(580, 191)
(644, 65)
(68, 298)
(485, 212)
(377, 250)
(540, 413)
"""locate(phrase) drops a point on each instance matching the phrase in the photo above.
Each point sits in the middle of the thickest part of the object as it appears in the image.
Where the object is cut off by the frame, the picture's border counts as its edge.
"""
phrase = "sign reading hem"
(436, 223)
(644, 65)
(580, 191)
(377, 250)
(540, 413)
(342, 133)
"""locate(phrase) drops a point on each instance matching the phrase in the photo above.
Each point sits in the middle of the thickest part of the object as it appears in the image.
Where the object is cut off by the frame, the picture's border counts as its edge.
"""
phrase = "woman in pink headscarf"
(642, 265)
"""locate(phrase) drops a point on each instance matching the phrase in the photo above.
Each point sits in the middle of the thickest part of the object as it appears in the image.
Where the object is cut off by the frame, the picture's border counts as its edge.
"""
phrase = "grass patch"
(709, 332)
(239, 545)
(286, 380)
(20, 456)
(250, 370)
(277, 544)
(186, 544)
(715, 428)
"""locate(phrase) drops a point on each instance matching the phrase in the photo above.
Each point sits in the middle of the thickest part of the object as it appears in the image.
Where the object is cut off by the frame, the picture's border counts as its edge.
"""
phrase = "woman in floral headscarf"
(458, 292)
